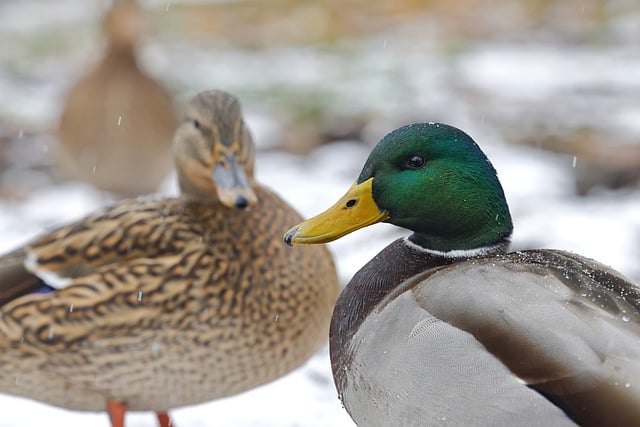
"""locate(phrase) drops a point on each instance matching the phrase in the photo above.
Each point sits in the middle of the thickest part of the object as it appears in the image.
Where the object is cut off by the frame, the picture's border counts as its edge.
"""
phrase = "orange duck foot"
(164, 420)
(117, 410)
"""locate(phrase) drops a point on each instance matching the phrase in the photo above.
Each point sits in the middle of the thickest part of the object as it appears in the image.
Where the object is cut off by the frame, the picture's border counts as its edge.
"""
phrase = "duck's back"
(494, 341)
(217, 306)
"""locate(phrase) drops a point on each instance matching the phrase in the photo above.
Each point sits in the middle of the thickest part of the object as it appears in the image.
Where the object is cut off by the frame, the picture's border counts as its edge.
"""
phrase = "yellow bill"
(353, 211)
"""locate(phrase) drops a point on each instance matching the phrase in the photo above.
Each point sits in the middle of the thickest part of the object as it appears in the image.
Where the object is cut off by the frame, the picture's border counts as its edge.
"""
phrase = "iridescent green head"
(430, 178)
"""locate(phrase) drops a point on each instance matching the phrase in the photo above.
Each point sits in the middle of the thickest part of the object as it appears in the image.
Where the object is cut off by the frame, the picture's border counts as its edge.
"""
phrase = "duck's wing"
(567, 326)
(127, 231)
(131, 268)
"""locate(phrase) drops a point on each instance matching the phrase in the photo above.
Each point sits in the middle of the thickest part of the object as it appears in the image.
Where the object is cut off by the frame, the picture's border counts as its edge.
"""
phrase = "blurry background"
(550, 89)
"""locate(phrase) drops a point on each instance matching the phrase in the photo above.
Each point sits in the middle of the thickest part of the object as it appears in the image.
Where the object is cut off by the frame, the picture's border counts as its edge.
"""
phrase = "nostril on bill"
(241, 202)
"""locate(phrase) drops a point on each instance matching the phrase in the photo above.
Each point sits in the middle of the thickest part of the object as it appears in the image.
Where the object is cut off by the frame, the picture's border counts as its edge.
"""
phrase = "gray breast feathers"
(529, 338)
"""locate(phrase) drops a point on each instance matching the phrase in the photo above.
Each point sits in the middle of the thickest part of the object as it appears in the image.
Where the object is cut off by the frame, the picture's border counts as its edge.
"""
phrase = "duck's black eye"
(416, 161)
(196, 123)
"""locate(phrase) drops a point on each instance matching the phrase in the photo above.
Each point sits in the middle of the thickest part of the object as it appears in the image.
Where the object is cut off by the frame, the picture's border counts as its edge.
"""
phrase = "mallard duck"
(116, 129)
(156, 303)
(444, 327)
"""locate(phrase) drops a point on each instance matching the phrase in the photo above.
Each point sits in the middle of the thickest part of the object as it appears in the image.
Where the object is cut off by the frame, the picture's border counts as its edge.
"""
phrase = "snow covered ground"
(393, 78)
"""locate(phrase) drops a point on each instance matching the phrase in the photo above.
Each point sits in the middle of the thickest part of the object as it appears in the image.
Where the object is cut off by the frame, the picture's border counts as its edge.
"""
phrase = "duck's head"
(430, 178)
(214, 152)
(124, 24)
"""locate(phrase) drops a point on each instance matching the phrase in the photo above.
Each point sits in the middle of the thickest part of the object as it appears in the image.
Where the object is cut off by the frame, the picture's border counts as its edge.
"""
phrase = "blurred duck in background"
(116, 129)
(156, 303)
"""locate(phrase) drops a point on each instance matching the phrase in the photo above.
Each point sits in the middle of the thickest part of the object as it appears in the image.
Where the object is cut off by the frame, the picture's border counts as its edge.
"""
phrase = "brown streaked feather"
(126, 231)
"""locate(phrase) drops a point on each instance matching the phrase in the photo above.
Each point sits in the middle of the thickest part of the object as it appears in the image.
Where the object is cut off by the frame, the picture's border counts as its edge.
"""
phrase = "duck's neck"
(189, 190)
(396, 263)
(121, 53)
(425, 245)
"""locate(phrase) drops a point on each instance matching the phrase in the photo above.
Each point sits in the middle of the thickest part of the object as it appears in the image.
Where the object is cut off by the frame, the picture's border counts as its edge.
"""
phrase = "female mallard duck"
(116, 128)
(446, 328)
(160, 303)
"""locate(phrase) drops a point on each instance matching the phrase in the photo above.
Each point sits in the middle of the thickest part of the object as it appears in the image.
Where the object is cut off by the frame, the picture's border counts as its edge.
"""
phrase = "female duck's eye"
(416, 161)
(196, 123)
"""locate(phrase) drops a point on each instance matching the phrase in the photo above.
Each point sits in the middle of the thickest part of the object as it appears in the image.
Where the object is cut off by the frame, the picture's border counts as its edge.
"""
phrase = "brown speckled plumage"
(169, 302)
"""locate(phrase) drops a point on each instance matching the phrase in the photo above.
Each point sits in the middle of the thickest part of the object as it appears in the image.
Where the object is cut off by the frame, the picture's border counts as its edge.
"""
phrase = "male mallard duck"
(160, 303)
(116, 128)
(446, 328)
